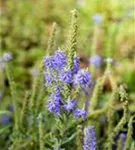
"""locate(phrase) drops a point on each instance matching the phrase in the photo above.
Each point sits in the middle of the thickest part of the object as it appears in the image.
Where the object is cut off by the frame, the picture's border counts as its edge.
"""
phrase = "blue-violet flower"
(89, 142)
(96, 61)
(66, 76)
(83, 78)
(70, 106)
(80, 113)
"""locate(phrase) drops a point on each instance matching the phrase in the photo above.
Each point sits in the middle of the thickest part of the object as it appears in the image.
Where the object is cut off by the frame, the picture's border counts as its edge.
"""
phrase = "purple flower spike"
(54, 107)
(7, 57)
(83, 78)
(89, 142)
(70, 106)
(60, 59)
(80, 113)
(96, 61)
(50, 62)
(5, 120)
(57, 62)
(54, 103)
(49, 78)
(66, 76)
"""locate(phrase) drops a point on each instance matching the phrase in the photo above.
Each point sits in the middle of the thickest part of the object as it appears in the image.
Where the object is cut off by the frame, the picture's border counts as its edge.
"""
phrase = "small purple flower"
(5, 120)
(50, 62)
(7, 57)
(57, 61)
(80, 113)
(61, 59)
(49, 78)
(96, 61)
(83, 78)
(70, 106)
(54, 107)
(90, 141)
(66, 76)
(123, 137)
(76, 65)
(54, 103)
(97, 18)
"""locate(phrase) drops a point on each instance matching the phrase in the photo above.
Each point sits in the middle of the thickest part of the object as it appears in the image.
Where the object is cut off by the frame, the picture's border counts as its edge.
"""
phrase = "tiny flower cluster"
(58, 76)
(96, 61)
(5, 58)
(7, 119)
(90, 141)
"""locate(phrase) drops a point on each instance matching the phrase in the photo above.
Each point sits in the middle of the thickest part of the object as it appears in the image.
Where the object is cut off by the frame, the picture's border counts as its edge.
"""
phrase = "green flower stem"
(51, 41)
(36, 89)
(129, 134)
(25, 111)
(79, 139)
(71, 49)
(118, 128)
(111, 110)
(120, 144)
(14, 96)
(41, 132)
(97, 92)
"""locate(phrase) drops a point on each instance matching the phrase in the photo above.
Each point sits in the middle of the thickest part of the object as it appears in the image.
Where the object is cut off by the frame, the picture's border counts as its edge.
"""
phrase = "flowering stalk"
(123, 94)
(25, 111)
(110, 112)
(112, 81)
(90, 141)
(35, 89)
(129, 134)
(97, 92)
(72, 41)
(79, 139)
(41, 132)
(14, 96)
(71, 48)
(51, 41)
(118, 127)
(123, 97)
(111, 40)
(41, 98)
(15, 134)
(35, 106)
